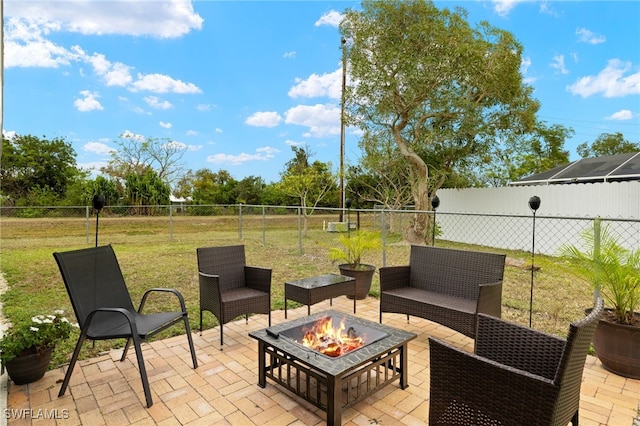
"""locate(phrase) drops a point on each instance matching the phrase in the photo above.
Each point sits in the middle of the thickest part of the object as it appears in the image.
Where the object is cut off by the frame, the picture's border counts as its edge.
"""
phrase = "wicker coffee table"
(309, 291)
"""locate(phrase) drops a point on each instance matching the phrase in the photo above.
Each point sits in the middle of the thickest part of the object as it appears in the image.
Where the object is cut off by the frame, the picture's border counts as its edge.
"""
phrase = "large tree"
(445, 92)
(607, 144)
(308, 182)
(137, 154)
(32, 165)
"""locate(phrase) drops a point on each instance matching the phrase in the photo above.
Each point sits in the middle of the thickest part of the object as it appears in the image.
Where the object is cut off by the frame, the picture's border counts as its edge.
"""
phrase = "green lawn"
(148, 259)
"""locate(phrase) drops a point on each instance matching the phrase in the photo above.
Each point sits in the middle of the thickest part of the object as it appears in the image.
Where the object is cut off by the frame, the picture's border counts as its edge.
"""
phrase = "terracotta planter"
(363, 277)
(618, 348)
(28, 368)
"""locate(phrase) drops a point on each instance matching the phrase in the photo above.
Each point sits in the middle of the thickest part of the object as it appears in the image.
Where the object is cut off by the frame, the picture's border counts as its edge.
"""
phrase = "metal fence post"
(240, 221)
(299, 230)
(264, 227)
(87, 222)
(384, 239)
(170, 223)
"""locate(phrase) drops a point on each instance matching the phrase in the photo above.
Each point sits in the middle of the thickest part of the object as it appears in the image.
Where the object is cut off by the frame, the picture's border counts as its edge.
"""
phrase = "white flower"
(59, 312)
(37, 319)
(34, 329)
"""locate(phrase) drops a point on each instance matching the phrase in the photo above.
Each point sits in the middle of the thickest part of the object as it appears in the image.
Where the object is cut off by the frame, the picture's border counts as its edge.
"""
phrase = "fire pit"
(345, 359)
(333, 337)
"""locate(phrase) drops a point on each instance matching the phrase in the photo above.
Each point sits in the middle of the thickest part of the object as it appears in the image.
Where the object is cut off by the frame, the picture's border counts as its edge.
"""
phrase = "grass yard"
(148, 259)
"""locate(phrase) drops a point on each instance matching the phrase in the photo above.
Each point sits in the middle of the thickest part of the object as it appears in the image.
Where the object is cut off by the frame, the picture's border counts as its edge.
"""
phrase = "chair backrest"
(454, 272)
(227, 262)
(571, 366)
(93, 280)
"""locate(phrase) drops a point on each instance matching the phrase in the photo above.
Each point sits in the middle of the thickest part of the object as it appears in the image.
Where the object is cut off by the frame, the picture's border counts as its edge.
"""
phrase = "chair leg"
(574, 419)
(221, 335)
(143, 371)
(190, 339)
(201, 322)
(72, 363)
(125, 350)
(269, 318)
(246, 317)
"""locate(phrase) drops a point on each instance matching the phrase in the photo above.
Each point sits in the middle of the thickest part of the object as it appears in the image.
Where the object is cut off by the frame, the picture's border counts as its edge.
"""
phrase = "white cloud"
(586, 36)
(503, 7)
(319, 85)
(194, 148)
(289, 55)
(611, 81)
(203, 107)
(294, 143)
(117, 74)
(558, 64)
(331, 18)
(165, 125)
(128, 134)
(262, 154)
(89, 102)
(191, 133)
(162, 18)
(623, 114)
(322, 120)
(160, 83)
(156, 103)
(98, 148)
(218, 130)
(25, 45)
(264, 119)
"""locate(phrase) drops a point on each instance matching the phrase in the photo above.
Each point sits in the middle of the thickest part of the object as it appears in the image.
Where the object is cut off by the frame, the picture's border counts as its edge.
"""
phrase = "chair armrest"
(490, 299)
(163, 290)
(518, 346)
(258, 278)
(209, 287)
(392, 277)
(467, 386)
(122, 311)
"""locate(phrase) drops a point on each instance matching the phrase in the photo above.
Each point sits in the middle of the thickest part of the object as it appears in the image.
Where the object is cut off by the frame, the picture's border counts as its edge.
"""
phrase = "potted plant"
(353, 247)
(25, 347)
(614, 272)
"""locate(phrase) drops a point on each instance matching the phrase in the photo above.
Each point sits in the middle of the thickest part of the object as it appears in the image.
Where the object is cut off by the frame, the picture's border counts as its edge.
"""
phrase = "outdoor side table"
(309, 291)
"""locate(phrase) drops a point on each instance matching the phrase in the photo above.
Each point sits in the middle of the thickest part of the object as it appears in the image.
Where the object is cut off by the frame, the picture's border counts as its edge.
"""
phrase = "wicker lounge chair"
(517, 375)
(229, 288)
(104, 310)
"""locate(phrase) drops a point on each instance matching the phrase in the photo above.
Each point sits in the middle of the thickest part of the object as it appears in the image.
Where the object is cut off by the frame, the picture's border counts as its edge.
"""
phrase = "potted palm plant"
(353, 246)
(614, 272)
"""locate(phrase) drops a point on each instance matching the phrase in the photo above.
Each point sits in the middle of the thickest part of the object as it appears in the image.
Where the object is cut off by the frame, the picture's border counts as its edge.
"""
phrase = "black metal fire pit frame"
(332, 384)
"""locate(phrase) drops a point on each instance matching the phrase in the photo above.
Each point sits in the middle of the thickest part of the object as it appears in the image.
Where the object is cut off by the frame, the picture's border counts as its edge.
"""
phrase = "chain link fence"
(527, 233)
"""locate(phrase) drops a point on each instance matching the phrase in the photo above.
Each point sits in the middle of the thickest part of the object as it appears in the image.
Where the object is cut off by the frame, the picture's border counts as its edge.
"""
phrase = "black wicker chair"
(104, 309)
(517, 375)
(229, 288)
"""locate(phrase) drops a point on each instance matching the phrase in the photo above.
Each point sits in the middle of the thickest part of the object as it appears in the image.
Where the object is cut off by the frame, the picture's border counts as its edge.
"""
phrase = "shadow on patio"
(224, 390)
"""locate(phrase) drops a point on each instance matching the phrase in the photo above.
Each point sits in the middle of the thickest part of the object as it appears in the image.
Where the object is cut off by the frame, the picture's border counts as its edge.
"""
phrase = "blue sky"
(239, 83)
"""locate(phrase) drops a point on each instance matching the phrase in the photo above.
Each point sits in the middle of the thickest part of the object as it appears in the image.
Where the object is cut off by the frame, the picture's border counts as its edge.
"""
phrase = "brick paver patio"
(224, 390)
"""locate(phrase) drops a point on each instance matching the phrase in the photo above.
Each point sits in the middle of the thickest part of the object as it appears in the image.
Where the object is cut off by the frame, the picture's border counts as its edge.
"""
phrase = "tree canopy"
(446, 93)
(32, 165)
(607, 144)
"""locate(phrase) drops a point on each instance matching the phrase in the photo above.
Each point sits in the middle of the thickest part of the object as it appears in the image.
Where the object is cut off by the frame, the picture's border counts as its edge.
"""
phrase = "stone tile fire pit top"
(389, 337)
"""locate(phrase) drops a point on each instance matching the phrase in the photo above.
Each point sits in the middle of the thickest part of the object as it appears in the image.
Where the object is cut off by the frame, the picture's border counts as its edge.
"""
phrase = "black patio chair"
(104, 309)
(517, 375)
(229, 288)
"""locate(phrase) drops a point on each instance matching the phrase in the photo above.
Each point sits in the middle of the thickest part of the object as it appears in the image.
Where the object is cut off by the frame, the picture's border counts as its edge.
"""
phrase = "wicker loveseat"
(446, 286)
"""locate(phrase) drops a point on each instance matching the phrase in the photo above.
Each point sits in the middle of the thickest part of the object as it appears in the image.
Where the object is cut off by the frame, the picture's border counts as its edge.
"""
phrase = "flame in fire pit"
(326, 339)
